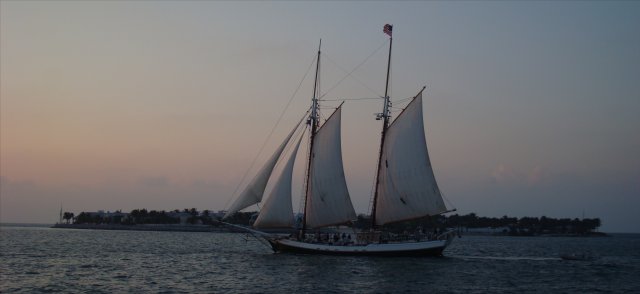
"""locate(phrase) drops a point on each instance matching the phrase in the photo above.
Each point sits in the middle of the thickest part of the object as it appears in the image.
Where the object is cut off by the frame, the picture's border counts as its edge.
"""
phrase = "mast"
(385, 124)
(314, 126)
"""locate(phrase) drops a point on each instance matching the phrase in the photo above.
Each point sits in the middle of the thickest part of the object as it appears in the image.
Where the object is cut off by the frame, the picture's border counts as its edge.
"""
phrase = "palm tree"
(67, 216)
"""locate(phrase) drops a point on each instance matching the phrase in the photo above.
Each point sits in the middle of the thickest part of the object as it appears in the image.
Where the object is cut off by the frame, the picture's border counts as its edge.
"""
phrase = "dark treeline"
(524, 226)
(144, 216)
(242, 218)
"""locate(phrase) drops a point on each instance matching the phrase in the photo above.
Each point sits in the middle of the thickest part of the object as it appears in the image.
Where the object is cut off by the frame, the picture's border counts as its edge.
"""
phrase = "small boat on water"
(405, 188)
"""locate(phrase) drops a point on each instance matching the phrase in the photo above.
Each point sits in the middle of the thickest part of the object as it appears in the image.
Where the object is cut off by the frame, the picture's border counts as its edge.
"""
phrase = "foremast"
(385, 116)
(313, 120)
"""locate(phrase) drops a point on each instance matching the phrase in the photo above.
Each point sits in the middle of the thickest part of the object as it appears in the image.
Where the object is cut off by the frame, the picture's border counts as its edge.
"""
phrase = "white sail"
(277, 211)
(328, 201)
(252, 193)
(407, 187)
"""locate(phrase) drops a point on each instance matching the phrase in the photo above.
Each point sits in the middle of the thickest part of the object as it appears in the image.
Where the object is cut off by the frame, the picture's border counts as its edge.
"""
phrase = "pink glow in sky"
(531, 108)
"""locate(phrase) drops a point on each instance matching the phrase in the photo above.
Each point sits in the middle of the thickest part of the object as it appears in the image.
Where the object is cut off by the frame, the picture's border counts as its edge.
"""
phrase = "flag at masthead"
(388, 29)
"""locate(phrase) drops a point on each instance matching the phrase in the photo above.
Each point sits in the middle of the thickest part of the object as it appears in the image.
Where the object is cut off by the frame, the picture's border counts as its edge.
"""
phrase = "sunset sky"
(531, 108)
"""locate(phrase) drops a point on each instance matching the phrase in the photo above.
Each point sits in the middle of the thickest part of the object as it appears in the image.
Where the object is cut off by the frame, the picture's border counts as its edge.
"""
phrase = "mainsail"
(328, 201)
(277, 211)
(252, 193)
(407, 187)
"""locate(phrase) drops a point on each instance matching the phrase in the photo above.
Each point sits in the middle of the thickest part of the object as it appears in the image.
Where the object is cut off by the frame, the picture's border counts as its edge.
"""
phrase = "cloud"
(536, 176)
(504, 174)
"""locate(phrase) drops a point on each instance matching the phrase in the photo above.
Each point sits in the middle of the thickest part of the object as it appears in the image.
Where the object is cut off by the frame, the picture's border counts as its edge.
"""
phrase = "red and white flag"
(388, 29)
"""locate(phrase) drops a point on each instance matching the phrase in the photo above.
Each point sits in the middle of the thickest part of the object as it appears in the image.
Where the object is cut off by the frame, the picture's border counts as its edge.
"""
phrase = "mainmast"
(313, 120)
(385, 115)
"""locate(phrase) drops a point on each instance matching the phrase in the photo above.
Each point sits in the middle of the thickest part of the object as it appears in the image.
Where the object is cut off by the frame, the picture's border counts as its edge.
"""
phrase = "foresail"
(277, 211)
(252, 193)
(407, 186)
(328, 201)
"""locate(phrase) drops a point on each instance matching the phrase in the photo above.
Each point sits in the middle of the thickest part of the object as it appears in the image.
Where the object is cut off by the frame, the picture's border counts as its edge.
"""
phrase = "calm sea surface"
(37, 259)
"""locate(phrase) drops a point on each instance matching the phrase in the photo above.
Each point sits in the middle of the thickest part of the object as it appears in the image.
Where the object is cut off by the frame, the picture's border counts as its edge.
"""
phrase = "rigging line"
(270, 133)
(328, 107)
(347, 75)
(447, 199)
(403, 100)
(350, 99)
(396, 109)
(353, 70)
(321, 116)
(400, 109)
(260, 240)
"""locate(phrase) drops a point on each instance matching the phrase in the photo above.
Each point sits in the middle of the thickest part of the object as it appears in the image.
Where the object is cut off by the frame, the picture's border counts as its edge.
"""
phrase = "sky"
(531, 108)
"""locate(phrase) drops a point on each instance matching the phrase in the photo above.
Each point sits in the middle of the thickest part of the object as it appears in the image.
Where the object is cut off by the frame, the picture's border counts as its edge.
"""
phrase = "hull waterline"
(425, 248)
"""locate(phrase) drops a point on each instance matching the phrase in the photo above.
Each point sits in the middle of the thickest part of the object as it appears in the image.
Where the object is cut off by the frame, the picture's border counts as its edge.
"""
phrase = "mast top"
(388, 29)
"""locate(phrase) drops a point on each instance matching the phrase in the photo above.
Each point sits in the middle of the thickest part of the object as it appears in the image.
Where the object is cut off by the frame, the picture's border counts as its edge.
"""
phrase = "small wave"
(507, 257)
(121, 277)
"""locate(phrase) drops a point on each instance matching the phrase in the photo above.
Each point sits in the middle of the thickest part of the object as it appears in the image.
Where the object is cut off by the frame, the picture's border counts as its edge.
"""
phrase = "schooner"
(405, 187)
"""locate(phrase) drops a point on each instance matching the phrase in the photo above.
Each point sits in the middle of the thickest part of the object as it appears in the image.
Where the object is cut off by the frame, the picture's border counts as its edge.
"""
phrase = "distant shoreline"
(227, 229)
(147, 227)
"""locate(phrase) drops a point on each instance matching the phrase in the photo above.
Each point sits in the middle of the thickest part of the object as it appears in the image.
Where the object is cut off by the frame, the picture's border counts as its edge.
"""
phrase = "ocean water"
(39, 259)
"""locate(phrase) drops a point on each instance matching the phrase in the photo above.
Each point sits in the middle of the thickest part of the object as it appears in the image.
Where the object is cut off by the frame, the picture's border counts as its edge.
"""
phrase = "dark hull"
(284, 248)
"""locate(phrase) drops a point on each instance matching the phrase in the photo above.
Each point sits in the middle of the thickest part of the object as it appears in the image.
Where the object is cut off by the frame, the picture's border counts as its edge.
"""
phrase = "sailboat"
(405, 188)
